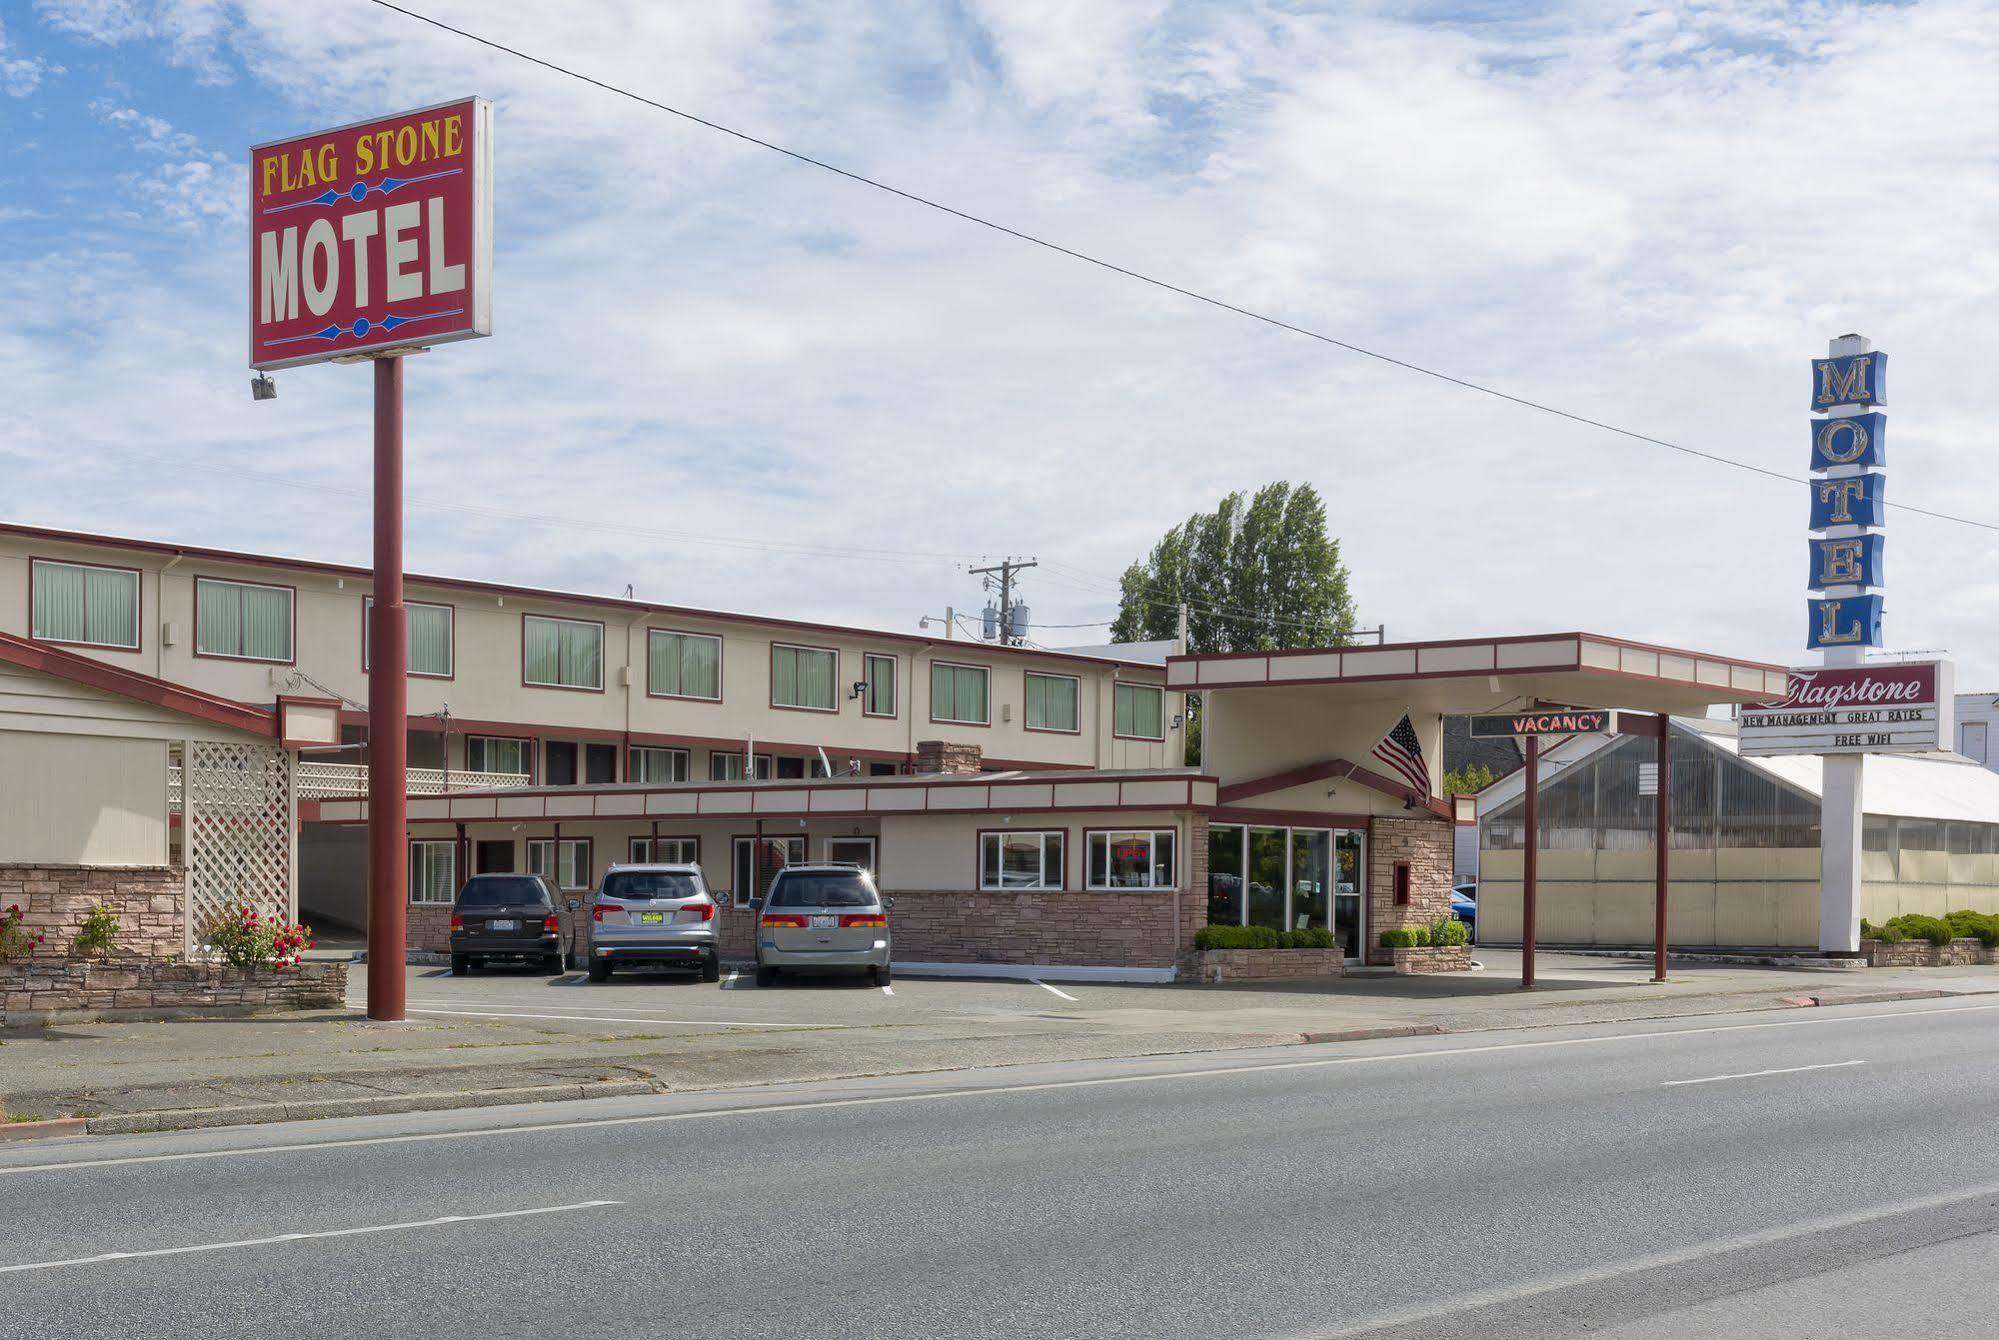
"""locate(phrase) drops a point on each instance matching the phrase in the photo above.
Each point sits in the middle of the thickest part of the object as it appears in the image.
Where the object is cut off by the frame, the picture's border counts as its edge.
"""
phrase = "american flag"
(1402, 751)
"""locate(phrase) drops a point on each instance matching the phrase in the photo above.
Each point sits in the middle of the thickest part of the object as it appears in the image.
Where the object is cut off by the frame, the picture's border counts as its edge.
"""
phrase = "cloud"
(22, 76)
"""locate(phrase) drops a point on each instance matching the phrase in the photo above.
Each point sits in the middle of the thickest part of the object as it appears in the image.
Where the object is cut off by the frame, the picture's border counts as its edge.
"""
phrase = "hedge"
(1261, 937)
(1962, 924)
(1442, 931)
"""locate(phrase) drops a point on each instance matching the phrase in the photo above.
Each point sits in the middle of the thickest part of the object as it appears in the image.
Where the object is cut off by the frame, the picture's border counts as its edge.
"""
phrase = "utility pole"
(1005, 569)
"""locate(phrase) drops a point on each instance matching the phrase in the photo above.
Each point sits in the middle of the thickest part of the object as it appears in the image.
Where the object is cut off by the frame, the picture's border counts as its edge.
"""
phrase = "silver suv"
(653, 914)
(822, 916)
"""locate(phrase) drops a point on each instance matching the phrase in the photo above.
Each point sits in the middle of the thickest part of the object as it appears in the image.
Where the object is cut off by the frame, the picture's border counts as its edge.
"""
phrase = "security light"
(263, 388)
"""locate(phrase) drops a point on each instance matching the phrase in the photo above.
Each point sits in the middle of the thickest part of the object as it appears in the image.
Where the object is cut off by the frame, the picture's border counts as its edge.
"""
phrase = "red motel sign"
(372, 236)
(1550, 721)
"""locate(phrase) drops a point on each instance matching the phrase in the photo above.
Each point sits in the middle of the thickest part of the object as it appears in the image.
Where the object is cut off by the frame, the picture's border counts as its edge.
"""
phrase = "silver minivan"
(659, 914)
(817, 917)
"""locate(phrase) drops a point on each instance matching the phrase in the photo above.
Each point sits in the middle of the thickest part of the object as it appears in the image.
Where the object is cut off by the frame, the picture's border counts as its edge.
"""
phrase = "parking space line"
(888, 990)
(729, 982)
(620, 1019)
(1758, 1074)
(438, 1222)
(1045, 987)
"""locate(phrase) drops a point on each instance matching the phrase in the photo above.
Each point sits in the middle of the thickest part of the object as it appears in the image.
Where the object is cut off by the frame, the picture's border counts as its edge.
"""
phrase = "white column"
(1840, 816)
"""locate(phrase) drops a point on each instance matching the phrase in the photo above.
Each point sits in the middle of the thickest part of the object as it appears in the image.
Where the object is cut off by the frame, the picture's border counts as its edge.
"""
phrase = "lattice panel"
(237, 811)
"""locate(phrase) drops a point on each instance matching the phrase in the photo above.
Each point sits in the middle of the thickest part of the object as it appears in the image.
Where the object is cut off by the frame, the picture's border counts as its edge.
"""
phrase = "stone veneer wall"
(1923, 954)
(150, 901)
(1234, 965)
(1432, 958)
(33, 990)
(1425, 844)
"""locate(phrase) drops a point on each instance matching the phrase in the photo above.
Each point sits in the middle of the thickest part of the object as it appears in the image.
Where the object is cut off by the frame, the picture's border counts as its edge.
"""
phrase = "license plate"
(503, 924)
(824, 923)
(652, 918)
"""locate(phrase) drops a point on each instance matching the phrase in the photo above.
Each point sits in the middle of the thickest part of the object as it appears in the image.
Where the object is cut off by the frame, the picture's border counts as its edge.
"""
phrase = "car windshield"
(503, 891)
(651, 884)
(832, 889)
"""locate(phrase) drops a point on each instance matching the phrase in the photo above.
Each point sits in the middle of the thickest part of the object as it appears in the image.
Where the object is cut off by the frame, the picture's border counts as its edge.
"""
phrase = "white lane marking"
(1758, 1074)
(438, 1222)
(621, 1019)
(729, 982)
(888, 990)
(1045, 987)
(934, 1095)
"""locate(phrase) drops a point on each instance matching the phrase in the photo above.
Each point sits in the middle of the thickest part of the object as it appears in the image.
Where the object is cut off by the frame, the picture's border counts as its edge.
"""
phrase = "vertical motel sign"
(370, 242)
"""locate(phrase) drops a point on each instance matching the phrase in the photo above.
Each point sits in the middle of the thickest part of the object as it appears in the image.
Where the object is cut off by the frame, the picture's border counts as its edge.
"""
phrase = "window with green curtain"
(683, 665)
(427, 632)
(75, 602)
(803, 677)
(241, 619)
(880, 699)
(433, 872)
(562, 653)
(1051, 702)
(958, 693)
(1139, 710)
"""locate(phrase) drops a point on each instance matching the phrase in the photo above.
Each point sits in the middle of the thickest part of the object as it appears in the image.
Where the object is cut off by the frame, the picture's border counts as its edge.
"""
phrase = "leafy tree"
(1471, 777)
(1258, 573)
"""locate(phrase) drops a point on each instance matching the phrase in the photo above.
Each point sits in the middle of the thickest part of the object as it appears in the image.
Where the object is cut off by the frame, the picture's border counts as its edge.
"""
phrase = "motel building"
(181, 726)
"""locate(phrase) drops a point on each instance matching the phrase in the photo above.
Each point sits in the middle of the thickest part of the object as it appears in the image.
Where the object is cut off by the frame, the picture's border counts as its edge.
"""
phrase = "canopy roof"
(1496, 674)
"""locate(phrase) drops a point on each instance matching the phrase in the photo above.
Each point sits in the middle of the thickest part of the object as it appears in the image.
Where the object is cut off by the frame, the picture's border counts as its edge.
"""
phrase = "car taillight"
(875, 919)
(548, 923)
(705, 912)
(781, 919)
(457, 922)
(597, 911)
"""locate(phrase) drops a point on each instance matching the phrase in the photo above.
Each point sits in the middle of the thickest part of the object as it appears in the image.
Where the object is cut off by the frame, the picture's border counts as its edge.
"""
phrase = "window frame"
(1061, 883)
(138, 605)
(1026, 724)
(686, 763)
(652, 856)
(985, 670)
(555, 876)
(737, 897)
(451, 615)
(720, 651)
(765, 762)
(894, 684)
(1121, 686)
(527, 756)
(291, 638)
(409, 860)
(602, 641)
(834, 652)
(1152, 865)
(873, 867)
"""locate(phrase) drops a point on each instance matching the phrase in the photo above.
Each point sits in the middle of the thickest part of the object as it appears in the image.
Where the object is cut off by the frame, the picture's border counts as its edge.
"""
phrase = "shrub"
(1890, 934)
(1916, 926)
(96, 935)
(1309, 939)
(1405, 937)
(1450, 931)
(16, 940)
(1236, 937)
(246, 939)
(1968, 925)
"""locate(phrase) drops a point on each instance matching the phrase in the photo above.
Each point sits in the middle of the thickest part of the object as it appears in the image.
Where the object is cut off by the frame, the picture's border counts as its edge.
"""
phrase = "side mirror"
(571, 904)
(756, 904)
(888, 902)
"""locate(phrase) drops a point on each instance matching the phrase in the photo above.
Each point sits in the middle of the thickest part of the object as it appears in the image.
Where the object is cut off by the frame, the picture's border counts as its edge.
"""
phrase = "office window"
(1134, 860)
(756, 862)
(729, 767)
(683, 665)
(804, 677)
(564, 860)
(600, 764)
(1020, 860)
(878, 698)
(85, 604)
(958, 693)
(429, 636)
(489, 753)
(562, 653)
(433, 871)
(1139, 712)
(1051, 702)
(650, 765)
(242, 620)
(667, 850)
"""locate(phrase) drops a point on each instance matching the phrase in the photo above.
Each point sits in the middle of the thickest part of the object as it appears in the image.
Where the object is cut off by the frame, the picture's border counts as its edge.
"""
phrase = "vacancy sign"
(372, 236)
(1894, 708)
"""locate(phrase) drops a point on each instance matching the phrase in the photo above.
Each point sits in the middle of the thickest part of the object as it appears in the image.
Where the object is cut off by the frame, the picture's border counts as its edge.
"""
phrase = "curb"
(41, 1130)
(251, 1114)
(1884, 997)
(1366, 1034)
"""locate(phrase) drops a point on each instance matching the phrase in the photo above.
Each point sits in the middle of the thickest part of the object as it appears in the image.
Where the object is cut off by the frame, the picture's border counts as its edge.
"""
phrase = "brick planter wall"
(36, 990)
(1923, 954)
(1424, 844)
(1432, 958)
(54, 899)
(1236, 965)
(428, 926)
(1124, 930)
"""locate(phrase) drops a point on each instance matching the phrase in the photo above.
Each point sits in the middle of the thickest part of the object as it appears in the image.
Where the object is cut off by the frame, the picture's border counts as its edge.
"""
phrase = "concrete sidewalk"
(516, 1037)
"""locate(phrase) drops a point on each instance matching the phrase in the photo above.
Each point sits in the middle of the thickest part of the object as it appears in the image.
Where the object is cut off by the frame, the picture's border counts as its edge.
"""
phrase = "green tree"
(1256, 574)
(1472, 777)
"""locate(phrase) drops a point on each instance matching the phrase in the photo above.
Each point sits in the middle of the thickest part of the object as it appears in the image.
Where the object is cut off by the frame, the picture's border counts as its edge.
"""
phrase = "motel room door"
(757, 861)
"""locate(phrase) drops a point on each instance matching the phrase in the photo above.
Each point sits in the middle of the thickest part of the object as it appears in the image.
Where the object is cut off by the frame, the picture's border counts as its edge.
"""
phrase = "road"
(1797, 1173)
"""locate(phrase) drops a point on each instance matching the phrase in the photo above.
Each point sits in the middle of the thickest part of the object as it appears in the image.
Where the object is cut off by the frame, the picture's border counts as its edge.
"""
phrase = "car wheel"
(711, 970)
(460, 965)
(554, 966)
(766, 975)
(881, 976)
(600, 971)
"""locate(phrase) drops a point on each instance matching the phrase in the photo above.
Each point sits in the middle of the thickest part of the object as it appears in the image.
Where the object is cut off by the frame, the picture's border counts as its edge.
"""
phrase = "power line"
(1139, 275)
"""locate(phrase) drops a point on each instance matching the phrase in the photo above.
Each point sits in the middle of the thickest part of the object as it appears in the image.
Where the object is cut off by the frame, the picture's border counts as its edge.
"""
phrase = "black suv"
(505, 917)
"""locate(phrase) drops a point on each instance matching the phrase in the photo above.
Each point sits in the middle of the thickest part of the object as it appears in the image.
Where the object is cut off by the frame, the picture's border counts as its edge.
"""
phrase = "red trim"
(1236, 815)
(1061, 884)
(602, 640)
(194, 634)
(1419, 647)
(368, 601)
(777, 706)
(139, 615)
(1026, 675)
(721, 652)
(542, 593)
(31, 655)
(1332, 768)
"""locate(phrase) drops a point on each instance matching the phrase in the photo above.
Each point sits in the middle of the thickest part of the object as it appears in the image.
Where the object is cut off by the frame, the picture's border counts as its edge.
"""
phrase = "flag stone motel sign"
(369, 242)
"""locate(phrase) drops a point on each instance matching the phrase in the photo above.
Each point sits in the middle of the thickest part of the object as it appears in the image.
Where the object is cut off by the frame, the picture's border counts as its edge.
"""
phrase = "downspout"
(159, 610)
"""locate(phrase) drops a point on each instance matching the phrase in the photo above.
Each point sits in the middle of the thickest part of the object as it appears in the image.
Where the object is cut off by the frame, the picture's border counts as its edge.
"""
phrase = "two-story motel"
(1027, 807)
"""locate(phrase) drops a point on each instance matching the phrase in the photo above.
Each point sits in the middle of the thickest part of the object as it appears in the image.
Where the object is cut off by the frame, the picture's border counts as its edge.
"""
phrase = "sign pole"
(388, 744)
(1840, 819)
(1530, 864)
(1663, 814)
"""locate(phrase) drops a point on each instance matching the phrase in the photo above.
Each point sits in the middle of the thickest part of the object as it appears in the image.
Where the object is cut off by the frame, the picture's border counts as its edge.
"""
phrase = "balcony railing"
(349, 781)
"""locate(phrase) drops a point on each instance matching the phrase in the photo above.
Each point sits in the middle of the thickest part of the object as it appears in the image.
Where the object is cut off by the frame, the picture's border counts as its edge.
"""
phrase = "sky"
(727, 379)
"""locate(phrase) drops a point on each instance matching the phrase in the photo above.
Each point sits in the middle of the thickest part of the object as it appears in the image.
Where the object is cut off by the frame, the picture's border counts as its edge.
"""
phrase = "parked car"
(817, 917)
(653, 914)
(1464, 905)
(509, 917)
